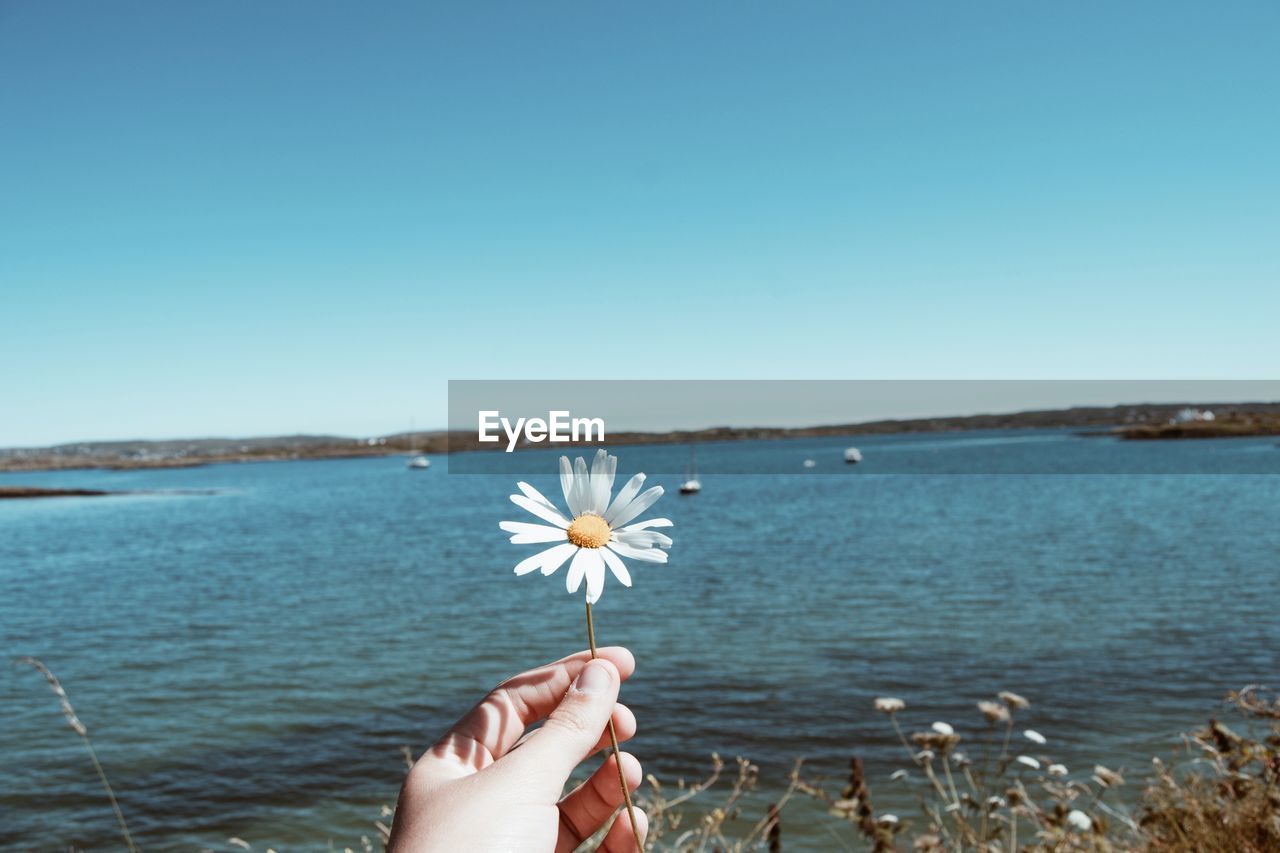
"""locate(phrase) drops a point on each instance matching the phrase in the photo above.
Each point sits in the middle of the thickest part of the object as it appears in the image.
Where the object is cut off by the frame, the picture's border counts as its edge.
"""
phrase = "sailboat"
(691, 485)
(853, 455)
(417, 461)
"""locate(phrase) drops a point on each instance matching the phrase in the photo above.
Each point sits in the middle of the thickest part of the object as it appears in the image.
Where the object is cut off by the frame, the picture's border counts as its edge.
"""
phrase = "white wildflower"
(597, 531)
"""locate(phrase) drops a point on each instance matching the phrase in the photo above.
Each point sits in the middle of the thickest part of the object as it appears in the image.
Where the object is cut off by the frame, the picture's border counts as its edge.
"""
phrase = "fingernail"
(594, 678)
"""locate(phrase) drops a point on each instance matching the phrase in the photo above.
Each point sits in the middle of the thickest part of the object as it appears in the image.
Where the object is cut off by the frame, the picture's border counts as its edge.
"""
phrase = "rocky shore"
(32, 492)
(1232, 425)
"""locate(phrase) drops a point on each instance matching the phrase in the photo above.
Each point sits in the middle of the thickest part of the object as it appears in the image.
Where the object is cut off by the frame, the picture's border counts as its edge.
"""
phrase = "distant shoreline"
(1137, 422)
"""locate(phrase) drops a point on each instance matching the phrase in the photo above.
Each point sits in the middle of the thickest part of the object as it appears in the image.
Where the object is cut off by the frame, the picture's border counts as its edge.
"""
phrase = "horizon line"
(635, 432)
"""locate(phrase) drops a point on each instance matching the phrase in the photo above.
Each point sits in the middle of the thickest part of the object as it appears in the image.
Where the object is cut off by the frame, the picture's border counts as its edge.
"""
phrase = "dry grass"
(1008, 794)
(1228, 798)
(74, 723)
(673, 826)
(1002, 792)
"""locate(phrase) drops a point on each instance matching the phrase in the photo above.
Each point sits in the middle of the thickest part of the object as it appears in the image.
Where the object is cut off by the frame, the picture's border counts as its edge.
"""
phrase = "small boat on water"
(852, 455)
(417, 461)
(691, 485)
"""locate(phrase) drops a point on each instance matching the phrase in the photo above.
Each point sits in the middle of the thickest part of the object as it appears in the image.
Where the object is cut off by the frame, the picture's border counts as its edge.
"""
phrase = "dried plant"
(1226, 799)
(991, 799)
(73, 720)
(988, 798)
(855, 806)
(1224, 795)
(1233, 804)
(676, 826)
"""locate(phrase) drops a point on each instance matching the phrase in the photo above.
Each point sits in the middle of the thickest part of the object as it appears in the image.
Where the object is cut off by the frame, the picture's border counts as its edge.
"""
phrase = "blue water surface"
(251, 645)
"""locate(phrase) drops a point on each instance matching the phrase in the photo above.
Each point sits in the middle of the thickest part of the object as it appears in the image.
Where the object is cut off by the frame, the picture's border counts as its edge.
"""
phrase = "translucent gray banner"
(697, 429)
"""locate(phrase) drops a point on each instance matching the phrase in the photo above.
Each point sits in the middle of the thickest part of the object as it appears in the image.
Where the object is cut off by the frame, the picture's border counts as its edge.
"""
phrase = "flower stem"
(613, 739)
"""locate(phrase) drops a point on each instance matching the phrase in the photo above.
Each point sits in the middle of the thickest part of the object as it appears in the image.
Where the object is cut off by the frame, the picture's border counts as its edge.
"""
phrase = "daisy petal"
(525, 566)
(556, 560)
(566, 482)
(624, 497)
(642, 539)
(529, 534)
(542, 511)
(534, 495)
(647, 499)
(649, 555)
(603, 470)
(581, 501)
(577, 569)
(648, 523)
(548, 560)
(595, 575)
(616, 566)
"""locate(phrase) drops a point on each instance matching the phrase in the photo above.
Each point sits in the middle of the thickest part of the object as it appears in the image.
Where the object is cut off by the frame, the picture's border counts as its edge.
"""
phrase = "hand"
(481, 787)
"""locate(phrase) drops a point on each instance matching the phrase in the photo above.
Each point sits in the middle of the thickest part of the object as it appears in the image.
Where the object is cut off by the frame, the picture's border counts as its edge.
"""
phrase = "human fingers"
(492, 727)
(547, 757)
(624, 723)
(620, 838)
(587, 807)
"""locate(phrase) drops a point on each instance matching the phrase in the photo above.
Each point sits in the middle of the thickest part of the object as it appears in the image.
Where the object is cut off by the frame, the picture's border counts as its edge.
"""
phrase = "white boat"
(853, 455)
(809, 463)
(691, 485)
(417, 461)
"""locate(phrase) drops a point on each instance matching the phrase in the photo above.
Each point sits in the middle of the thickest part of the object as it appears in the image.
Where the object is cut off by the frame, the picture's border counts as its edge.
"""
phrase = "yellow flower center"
(589, 531)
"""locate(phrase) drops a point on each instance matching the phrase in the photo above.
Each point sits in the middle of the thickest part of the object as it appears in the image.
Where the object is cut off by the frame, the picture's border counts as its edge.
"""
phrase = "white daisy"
(597, 531)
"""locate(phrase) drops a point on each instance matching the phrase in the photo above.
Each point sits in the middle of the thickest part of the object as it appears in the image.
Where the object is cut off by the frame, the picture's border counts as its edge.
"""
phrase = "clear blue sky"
(251, 218)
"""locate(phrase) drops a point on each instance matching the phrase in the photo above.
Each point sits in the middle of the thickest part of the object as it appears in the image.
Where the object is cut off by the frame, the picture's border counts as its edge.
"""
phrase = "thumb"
(573, 729)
